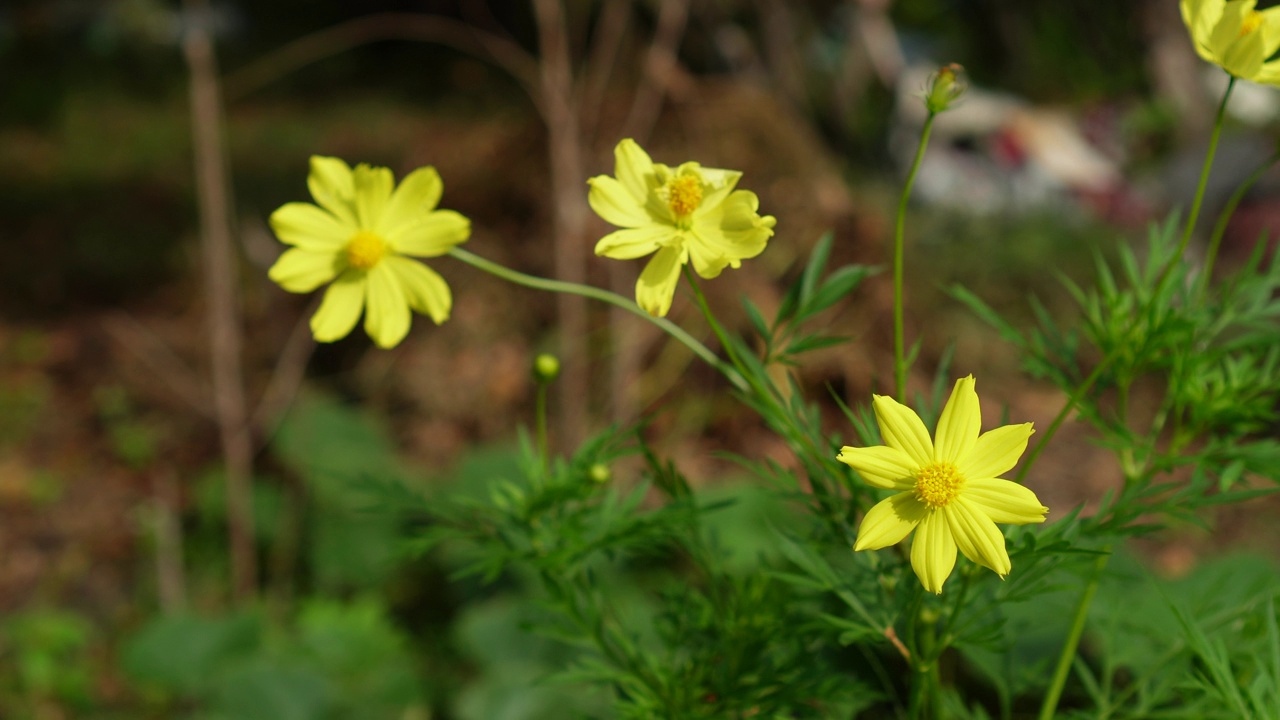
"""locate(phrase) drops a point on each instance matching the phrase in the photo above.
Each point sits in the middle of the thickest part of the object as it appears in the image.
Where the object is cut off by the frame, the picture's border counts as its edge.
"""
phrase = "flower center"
(1250, 23)
(938, 484)
(365, 249)
(683, 194)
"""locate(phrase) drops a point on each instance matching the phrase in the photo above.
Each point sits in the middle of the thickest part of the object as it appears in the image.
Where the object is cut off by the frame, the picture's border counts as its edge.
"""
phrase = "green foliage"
(340, 660)
(49, 654)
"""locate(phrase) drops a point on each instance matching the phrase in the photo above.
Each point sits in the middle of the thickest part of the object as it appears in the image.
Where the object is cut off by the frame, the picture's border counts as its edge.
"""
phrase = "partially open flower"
(1235, 36)
(683, 214)
(358, 236)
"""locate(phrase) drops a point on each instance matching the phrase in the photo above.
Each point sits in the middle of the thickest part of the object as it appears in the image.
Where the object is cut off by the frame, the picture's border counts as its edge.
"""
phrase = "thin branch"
(221, 288)
(660, 63)
(161, 360)
(345, 36)
(606, 42)
(286, 377)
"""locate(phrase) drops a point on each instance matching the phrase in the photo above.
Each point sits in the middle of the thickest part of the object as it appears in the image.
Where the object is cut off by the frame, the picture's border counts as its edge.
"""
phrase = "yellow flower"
(949, 492)
(1235, 36)
(358, 235)
(689, 213)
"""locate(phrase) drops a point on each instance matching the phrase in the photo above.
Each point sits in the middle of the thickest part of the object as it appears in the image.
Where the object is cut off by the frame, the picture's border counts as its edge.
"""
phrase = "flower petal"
(1004, 501)
(373, 190)
(996, 451)
(433, 235)
(631, 243)
(633, 168)
(729, 236)
(977, 536)
(340, 308)
(417, 195)
(387, 317)
(933, 551)
(299, 270)
(657, 284)
(901, 428)
(716, 186)
(960, 423)
(423, 287)
(333, 187)
(881, 466)
(307, 226)
(612, 201)
(889, 521)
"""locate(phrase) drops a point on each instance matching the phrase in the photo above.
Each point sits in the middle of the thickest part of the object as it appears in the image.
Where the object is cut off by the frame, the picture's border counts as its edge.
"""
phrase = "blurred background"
(154, 383)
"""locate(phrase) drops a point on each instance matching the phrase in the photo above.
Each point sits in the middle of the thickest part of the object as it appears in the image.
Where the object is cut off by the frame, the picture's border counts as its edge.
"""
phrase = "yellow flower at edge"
(358, 236)
(948, 489)
(1235, 36)
(683, 214)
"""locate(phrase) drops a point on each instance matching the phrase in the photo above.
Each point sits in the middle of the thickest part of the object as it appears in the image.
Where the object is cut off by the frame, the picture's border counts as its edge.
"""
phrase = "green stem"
(605, 296)
(899, 342)
(1220, 227)
(540, 413)
(1068, 655)
(1204, 181)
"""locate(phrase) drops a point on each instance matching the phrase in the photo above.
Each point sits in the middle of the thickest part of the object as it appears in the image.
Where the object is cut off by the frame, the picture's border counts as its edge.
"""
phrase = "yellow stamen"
(683, 194)
(938, 484)
(365, 249)
(1251, 22)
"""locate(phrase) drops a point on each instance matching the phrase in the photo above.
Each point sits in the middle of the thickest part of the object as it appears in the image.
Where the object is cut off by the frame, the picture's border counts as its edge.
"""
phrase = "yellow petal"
(631, 243)
(881, 466)
(387, 317)
(996, 452)
(433, 235)
(960, 423)
(333, 187)
(1227, 28)
(1004, 501)
(727, 237)
(1269, 73)
(611, 201)
(1200, 17)
(423, 287)
(417, 195)
(1243, 58)
(307, 226)
(657, 284)
(977, 537)
(299, 270)
(889, 521)
(716, 186)
(901, 428)
(933, 551)
(340, 308)
(373, 190)
(633, 168)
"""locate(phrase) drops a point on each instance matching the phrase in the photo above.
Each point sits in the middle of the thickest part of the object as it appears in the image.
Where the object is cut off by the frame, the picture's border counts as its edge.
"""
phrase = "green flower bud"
(545, 368)
(600, 473)
(944, 88)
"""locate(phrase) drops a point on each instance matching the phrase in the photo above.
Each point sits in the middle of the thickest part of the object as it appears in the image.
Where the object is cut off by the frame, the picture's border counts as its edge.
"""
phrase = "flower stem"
(1220, 227)
(1070, 405)
(1204, 181)
(540, 419)
(605, 296)
(899, 342)
(1068, 655)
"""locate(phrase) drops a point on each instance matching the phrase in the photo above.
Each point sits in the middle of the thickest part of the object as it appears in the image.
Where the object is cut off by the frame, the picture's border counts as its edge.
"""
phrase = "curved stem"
(1220, 227)
(1068, 655)
(605, 296)
(1204, 181)
(899, 342)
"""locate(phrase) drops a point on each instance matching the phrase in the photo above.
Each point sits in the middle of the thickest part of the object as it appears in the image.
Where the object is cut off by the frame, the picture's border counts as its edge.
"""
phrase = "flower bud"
(944, 88)
(546, 367)
(600, 473)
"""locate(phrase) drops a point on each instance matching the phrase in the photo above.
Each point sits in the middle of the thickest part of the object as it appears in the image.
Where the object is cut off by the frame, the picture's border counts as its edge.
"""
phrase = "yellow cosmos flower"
(357, 235)
(686, 214)
(1235, 36)
(949, 492)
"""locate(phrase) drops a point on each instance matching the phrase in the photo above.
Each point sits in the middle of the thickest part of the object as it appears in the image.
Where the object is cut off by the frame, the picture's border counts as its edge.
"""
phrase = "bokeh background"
(118, 596)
